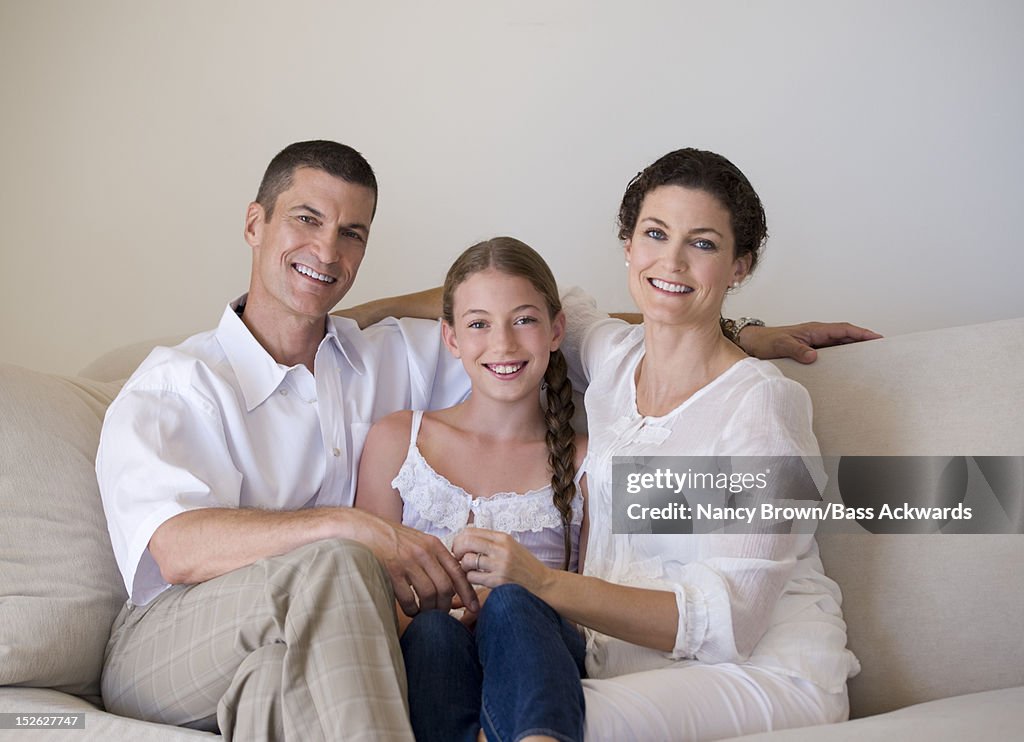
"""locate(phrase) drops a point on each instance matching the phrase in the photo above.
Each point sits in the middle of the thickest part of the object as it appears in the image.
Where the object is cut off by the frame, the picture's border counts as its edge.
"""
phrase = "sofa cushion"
(59, 585)
(995, 715)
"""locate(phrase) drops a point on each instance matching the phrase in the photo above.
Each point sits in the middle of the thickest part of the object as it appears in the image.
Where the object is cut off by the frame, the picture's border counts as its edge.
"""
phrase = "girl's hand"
(467, 617)
(491, 558)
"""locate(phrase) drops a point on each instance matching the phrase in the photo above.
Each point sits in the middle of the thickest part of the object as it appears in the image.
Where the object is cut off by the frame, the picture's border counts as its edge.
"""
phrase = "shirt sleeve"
(162, 451)
(589, 333)
(437, 377)
(727, 595)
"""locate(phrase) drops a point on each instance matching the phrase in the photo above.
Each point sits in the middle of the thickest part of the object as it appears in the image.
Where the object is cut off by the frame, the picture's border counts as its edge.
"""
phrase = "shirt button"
(336, 451)
(284, 392)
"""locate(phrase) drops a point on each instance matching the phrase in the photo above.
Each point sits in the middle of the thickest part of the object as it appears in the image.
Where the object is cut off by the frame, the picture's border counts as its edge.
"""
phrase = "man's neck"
(289, 340)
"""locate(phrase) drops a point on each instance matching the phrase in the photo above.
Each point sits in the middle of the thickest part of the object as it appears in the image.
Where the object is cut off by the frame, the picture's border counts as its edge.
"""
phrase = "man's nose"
(326, 249)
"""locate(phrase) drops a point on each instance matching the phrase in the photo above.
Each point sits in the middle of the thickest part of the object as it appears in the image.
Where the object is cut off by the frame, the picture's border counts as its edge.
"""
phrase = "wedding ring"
(477, 561)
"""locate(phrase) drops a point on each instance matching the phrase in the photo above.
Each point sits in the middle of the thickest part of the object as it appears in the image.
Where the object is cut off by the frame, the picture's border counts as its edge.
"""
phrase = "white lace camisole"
(432, 504)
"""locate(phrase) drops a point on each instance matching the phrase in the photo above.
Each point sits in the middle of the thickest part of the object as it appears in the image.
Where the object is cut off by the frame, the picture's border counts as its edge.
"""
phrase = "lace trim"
(448, 506)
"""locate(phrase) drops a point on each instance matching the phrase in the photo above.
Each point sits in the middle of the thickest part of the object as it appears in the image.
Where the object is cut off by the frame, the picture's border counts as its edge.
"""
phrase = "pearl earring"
(627, 263)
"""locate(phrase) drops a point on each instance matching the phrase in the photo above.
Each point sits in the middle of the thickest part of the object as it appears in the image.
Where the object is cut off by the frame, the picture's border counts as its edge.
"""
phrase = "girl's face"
(503, 334)
(682, 257)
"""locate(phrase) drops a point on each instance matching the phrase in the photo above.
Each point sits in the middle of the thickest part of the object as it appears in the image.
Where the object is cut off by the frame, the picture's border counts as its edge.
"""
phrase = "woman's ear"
(557, 331)
(741, 267)
(450, 341)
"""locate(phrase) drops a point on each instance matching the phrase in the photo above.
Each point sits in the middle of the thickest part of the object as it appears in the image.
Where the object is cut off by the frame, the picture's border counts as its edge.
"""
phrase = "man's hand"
(799, 341)
(423, 572)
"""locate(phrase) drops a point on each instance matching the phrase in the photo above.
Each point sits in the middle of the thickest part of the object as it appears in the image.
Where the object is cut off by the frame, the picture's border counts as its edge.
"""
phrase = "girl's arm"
(383, 454)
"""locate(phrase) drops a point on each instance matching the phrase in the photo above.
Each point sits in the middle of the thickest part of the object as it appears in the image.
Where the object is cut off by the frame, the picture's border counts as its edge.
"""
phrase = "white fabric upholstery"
(59, 586)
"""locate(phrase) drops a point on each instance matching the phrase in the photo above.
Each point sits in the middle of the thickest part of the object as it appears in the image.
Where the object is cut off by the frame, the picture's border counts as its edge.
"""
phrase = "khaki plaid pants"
(301, 646)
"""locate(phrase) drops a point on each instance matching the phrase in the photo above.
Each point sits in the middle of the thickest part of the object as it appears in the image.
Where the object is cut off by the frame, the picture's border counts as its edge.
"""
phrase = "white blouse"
(432, 504)
(760, 598)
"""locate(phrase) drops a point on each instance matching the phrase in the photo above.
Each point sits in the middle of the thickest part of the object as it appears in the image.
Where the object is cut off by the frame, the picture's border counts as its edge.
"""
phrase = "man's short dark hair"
(333, 158)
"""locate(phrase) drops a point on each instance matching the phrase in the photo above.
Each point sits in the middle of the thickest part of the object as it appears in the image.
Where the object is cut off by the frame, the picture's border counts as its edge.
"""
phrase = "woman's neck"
(678, 361)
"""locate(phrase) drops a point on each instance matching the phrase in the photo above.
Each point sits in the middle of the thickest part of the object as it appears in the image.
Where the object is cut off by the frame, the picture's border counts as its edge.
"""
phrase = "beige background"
(884, 137)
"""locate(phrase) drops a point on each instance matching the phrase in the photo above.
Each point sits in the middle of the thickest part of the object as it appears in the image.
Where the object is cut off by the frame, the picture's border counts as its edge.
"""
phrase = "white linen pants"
(693, 701)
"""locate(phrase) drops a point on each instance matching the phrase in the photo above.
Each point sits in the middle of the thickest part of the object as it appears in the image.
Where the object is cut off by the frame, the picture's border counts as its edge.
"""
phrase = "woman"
(505, 458)
(689, 636)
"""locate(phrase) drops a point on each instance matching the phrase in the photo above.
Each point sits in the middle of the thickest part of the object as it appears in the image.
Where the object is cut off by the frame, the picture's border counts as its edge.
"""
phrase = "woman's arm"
(638, 615)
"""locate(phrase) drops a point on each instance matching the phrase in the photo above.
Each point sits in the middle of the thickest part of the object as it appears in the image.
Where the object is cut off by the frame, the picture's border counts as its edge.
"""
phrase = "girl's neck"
(678, 361)
(521, 420)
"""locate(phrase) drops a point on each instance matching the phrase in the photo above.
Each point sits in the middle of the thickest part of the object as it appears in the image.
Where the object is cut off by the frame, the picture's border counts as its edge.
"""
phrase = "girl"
(506, 459)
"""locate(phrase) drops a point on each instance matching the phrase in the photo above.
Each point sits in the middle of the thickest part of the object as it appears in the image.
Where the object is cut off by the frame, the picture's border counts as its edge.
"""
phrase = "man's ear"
(255, 219)
(450, 342)
(558, 331)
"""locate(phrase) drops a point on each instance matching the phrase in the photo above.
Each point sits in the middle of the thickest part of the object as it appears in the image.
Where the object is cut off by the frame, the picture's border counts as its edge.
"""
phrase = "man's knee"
(331, 557)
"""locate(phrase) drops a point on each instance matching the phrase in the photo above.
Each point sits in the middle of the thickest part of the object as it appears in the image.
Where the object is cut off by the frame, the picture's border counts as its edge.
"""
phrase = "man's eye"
(306, 219)
(350, 235)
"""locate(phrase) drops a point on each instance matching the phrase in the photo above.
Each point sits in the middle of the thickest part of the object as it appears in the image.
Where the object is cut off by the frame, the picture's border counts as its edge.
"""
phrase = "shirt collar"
(258, 374)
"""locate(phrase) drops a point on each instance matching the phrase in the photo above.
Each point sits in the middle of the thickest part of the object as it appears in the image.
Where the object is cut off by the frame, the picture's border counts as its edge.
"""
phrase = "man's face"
(307, 254)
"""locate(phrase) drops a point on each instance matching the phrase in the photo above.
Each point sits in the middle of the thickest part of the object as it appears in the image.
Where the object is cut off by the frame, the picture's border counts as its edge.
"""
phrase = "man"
(260, 602)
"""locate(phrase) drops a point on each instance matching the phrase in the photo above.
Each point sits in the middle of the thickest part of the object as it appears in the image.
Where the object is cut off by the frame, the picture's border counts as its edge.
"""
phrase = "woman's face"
(682, 257)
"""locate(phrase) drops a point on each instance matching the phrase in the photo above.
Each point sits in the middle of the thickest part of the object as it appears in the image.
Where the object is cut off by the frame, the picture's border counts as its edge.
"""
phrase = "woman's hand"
(491, 558)
(799, 341)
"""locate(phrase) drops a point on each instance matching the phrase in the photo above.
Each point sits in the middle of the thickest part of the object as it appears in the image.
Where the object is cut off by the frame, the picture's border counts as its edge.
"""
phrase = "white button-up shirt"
(216, 422)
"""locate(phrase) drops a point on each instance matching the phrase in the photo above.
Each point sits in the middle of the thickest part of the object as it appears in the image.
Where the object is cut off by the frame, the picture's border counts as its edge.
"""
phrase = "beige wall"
(884, 137)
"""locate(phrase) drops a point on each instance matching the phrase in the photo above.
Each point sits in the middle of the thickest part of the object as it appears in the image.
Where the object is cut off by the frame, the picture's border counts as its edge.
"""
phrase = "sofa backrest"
(928, 615)
(60, 588)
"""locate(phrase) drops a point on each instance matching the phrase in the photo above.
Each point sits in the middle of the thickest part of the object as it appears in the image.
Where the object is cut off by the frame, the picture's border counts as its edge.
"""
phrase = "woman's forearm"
(641, 616)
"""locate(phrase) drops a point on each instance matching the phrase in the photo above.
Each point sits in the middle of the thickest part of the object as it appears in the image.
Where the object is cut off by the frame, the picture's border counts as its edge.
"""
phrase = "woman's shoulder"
(763, 378)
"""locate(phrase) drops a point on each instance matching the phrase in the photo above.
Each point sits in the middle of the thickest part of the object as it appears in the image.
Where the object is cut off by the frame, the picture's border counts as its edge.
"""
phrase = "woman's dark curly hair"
(708, 172)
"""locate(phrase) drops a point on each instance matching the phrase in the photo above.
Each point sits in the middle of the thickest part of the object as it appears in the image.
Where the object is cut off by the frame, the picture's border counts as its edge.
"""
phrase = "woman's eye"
(704, 245)
(655, 234)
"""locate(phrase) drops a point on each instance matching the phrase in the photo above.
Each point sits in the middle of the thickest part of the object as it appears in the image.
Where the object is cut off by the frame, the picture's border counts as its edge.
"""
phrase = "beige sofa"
(936, 620)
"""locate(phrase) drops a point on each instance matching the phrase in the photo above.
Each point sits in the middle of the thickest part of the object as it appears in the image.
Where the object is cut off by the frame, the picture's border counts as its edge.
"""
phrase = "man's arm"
(421, 305)
(791, 341)
(199, 545)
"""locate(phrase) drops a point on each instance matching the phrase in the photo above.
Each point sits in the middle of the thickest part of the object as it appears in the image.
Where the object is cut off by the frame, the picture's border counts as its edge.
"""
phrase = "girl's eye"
(476, 325)
(525, 320)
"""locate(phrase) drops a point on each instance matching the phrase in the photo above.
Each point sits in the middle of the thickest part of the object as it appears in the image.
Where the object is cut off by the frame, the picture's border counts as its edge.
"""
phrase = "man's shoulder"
(178, 367)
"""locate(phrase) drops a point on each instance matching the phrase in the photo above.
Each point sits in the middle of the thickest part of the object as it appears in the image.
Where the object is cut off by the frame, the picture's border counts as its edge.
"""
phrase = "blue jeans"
(517, 674)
